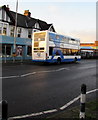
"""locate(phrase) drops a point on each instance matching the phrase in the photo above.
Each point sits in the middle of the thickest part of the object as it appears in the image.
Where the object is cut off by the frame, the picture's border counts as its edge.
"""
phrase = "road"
(31, 88)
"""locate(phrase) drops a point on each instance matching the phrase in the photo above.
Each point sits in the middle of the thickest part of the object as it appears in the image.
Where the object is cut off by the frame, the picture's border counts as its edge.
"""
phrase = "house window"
(4, 29)
(29, 33)
(37, 25)
(18, 32)
(0, 28)
(12, 31)
(3, 14)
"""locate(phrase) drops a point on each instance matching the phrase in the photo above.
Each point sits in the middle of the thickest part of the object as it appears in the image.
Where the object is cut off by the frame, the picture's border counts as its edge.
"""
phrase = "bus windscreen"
(39, 36)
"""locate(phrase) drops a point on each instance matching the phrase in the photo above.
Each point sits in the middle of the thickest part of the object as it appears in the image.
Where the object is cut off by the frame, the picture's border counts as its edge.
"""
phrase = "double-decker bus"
(52, 47)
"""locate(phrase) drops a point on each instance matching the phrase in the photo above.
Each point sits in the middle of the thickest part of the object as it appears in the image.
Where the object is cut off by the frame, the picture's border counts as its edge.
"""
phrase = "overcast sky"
(71, 18)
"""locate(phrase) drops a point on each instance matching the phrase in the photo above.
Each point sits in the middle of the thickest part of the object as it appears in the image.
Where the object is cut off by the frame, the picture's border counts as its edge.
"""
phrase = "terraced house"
(26, 25)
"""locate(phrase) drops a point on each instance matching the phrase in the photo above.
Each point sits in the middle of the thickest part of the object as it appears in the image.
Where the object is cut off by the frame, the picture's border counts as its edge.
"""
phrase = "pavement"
(34, 88)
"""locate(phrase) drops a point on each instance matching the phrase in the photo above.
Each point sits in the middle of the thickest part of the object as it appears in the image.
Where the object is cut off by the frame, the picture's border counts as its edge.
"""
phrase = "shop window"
(6, 50)
(3, 50)
(19, 50)
(29, 51)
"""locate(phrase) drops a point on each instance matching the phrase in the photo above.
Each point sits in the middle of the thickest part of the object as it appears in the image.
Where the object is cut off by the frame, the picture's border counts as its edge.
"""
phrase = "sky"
(72, 18)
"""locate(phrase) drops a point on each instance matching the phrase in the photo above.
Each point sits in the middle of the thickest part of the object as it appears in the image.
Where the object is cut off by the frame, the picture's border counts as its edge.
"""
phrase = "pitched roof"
(25, 21)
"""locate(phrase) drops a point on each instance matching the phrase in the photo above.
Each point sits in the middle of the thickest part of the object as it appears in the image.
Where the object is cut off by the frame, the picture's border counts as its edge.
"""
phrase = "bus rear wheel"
(59, 61)
(75, 60)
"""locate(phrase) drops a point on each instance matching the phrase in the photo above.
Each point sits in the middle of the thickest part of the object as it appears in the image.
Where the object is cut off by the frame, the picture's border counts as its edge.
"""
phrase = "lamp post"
(15, 33)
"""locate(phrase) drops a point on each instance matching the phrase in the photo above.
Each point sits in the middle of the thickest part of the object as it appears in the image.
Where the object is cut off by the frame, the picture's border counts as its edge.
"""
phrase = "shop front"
(22, 52)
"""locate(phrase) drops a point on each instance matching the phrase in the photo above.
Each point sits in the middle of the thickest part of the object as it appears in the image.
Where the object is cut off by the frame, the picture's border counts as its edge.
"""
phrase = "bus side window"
(50, 50)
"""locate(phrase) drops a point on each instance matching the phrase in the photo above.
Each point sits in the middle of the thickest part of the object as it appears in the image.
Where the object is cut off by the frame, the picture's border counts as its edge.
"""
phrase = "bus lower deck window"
(50, 50)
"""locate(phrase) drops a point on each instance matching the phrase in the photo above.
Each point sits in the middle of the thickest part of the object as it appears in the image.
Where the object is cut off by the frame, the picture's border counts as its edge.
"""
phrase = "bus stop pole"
(4, 110)
(82, 102)
(5, 54)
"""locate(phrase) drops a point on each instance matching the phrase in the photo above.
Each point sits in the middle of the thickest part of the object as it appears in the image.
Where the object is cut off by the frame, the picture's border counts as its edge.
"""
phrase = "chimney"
(27, 13)
(7, 7)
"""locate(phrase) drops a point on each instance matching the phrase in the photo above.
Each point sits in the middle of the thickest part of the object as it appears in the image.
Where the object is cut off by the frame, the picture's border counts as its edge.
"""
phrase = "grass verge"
(90, 111)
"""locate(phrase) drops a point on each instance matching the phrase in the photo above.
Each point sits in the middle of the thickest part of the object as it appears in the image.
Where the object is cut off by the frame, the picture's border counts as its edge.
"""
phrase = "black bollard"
(4, 110)
(82, 102)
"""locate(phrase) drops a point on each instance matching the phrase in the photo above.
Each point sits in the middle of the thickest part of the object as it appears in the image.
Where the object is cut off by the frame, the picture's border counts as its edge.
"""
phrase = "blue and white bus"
(52, 47)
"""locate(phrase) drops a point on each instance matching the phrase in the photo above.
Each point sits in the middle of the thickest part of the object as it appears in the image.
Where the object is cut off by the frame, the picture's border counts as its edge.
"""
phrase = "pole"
(15, 33)
(82, 102)
(5, 53)
(4, 110)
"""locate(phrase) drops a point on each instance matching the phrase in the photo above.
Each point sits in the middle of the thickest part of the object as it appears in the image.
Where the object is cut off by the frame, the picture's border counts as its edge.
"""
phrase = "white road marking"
(46, 71)
(69, 103)
(25, 116)
(75, 99)
(62, 69)
(9, 77)
(51, 111)
(27, 74)
(91, 91)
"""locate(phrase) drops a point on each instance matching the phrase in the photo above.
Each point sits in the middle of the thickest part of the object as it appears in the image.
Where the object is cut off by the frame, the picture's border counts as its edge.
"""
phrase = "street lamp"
(15, 33)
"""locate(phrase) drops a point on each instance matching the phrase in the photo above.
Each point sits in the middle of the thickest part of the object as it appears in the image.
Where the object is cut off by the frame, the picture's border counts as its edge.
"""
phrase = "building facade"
(26, 25)
(89, 50)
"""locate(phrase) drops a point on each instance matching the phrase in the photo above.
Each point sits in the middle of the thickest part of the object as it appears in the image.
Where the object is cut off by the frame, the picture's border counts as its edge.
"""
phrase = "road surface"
(31, 88)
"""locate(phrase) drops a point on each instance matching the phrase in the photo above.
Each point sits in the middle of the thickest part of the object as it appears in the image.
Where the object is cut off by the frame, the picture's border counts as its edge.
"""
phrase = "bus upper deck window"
(35, 39)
